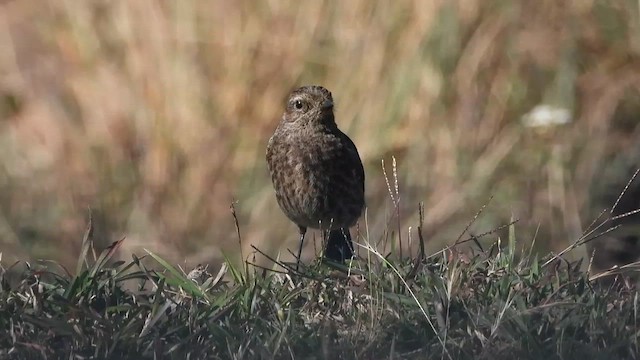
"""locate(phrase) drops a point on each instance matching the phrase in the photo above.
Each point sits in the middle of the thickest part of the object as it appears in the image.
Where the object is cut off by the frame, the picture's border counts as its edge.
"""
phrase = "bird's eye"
(298, 104)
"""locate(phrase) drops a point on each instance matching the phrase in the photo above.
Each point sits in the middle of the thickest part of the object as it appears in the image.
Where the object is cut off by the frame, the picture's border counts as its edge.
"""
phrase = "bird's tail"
(339, 245)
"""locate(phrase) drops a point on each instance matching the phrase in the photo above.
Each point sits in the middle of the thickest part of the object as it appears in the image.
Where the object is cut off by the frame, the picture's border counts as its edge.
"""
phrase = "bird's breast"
(313, 181)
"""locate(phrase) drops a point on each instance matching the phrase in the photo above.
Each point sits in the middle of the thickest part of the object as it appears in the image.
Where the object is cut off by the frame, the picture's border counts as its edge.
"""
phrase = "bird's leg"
(303, 231)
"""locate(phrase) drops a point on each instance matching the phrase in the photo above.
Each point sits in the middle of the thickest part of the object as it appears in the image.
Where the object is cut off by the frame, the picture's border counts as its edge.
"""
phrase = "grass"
(484, 303)
(156, 114)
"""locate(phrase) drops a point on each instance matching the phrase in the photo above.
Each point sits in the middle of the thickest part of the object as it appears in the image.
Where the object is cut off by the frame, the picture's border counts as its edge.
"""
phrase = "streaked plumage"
(316, 170)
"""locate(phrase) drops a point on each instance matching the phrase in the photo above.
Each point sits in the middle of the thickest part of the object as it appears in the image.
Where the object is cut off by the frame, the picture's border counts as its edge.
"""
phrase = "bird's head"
(309, 105)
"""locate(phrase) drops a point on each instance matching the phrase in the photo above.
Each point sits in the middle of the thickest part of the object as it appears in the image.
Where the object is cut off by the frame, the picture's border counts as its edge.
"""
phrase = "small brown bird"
(316, 171)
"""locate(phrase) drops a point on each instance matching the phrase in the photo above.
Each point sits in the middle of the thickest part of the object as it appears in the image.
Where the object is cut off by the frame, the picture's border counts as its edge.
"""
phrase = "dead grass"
(156, 114)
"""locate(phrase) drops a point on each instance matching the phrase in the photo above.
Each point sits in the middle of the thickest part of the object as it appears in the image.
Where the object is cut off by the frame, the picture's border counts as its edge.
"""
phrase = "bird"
(316, 171)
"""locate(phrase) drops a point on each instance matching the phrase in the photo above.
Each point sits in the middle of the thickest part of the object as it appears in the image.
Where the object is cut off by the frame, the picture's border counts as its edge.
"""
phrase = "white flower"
(546, 115)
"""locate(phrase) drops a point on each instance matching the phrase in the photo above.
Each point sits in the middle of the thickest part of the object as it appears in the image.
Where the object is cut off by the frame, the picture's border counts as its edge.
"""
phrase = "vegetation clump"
(495, 303)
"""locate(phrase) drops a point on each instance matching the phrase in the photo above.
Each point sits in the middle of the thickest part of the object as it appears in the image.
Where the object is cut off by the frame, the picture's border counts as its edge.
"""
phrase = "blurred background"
(156, 114)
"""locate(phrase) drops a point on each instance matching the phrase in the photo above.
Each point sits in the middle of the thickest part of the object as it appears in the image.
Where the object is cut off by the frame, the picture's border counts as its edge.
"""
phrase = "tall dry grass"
(156, 114)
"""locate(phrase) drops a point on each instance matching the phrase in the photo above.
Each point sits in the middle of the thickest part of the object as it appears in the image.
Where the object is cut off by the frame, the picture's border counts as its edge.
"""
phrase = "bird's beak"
(327, 105)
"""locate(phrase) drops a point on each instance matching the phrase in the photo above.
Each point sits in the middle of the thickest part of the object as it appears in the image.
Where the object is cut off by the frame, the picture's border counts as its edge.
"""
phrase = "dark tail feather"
(339, 245)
